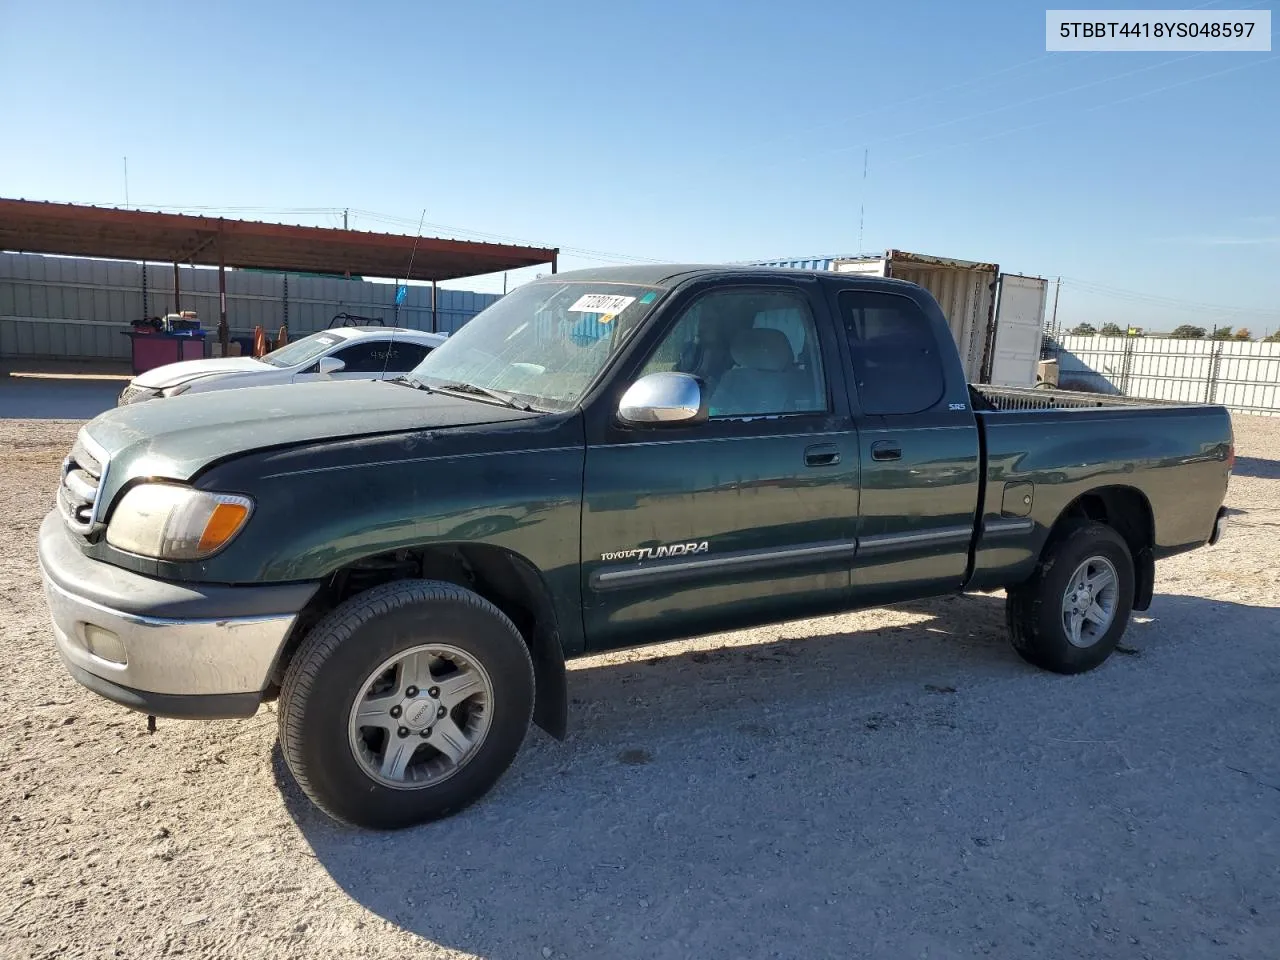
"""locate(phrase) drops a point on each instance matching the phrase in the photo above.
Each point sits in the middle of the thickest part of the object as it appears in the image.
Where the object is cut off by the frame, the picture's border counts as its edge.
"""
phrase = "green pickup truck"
(600, 459)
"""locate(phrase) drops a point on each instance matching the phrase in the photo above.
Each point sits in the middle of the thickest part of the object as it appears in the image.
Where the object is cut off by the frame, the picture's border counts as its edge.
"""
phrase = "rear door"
(750, 516)
(918, 444)
(1019, 329)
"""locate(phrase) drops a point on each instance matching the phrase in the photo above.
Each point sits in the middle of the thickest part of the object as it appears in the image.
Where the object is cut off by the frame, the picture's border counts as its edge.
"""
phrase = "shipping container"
(995, 319)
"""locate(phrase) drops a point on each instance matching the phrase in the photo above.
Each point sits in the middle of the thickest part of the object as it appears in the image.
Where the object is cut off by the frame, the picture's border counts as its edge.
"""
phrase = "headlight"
(136, 394)
(172, 522)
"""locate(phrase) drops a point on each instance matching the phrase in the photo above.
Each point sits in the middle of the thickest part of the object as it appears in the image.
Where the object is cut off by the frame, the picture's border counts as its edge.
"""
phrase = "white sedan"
(344, 353)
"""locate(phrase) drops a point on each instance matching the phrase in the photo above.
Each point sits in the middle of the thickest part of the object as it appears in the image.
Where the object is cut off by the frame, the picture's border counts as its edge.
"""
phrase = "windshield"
(543, 343)
(302, 351)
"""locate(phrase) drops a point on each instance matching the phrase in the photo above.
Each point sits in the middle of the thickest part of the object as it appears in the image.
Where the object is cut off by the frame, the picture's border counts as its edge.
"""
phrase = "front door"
(918, 444)
(750, 516)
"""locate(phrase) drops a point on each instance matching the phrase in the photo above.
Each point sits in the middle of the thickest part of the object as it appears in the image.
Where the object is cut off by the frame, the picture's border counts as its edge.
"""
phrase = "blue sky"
(677, 131)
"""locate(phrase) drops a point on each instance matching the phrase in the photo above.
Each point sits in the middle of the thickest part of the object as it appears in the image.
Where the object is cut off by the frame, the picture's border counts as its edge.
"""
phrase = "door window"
(756, 352)
(374, 356)
(895, 354)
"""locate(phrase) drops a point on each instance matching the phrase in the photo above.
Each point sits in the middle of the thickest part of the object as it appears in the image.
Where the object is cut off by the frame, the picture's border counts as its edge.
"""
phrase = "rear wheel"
(405, 704)
(1070, 615)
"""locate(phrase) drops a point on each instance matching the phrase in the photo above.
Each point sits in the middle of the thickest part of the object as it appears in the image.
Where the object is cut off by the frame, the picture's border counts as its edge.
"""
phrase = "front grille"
(133, 394)
(82, 474)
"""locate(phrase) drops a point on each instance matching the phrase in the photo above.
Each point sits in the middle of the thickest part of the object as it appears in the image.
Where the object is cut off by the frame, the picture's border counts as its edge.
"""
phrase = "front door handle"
(886, 450)
(821, 455)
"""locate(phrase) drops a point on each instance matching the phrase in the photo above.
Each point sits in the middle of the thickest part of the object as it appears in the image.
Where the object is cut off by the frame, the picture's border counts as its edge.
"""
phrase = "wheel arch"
(504, 578)
(1126, 510)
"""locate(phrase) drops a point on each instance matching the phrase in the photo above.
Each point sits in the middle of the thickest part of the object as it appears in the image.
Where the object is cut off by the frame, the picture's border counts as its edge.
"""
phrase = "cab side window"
(374, 356)
(896, 364)
(359, 357)
(755, 351)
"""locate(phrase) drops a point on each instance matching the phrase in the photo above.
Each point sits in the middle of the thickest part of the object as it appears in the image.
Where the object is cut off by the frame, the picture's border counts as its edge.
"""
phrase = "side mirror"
(329, 365)
(663, 398)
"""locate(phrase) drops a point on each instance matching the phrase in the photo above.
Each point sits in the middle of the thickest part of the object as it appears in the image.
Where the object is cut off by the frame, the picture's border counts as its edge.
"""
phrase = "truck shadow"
(1257, 467)
(693, 784)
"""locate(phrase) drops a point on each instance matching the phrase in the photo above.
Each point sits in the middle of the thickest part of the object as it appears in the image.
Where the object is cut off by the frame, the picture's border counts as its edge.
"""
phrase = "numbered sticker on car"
(606, 303)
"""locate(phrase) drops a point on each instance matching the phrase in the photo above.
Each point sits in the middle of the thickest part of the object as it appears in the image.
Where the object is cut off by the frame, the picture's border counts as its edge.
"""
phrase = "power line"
(1157, 300)
(937, 92)
(952, 121)
(1021, 103)
(1097, 106)
(585, 253)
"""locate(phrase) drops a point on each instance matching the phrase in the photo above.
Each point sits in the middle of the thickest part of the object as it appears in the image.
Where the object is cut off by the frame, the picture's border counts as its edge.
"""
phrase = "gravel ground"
(893, 783)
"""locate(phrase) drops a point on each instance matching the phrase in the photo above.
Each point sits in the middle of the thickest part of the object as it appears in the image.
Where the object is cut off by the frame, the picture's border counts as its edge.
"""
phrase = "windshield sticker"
(649, 297)
(606, 303)
(607, 318)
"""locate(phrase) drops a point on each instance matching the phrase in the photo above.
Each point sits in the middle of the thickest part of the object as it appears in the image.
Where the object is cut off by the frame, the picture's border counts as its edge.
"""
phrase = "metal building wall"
(75, 308)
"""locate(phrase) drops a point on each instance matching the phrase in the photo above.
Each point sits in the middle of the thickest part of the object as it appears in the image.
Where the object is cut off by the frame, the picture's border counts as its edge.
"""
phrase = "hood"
(172, 374)
(180, 437)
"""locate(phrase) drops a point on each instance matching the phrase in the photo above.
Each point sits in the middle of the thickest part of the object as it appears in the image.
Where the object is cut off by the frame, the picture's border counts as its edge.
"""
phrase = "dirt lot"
(894, 783)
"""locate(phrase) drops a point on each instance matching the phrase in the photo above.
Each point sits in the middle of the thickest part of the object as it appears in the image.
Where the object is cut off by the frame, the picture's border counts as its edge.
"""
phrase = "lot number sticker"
(606, 303)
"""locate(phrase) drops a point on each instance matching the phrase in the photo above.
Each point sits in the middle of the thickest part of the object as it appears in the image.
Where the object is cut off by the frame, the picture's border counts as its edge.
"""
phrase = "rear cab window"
(896, 364)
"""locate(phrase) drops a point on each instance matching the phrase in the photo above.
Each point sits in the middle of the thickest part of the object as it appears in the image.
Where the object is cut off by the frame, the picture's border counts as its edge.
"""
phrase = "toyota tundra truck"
(600, 459)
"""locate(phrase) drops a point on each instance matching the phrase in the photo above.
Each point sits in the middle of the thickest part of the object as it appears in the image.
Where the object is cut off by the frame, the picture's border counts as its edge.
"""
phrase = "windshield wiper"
(471, 390)
(409, 381)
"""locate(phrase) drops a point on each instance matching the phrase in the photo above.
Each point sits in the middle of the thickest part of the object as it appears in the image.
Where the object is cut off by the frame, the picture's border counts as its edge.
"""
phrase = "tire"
(1037, 620)
(330, 683)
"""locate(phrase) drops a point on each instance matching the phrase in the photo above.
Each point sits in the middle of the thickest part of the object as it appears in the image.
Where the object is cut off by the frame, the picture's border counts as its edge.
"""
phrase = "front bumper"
(170, 649)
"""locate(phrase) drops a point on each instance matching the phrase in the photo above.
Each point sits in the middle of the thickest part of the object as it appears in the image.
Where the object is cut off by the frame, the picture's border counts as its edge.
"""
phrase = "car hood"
(180, 437)
(171, 374)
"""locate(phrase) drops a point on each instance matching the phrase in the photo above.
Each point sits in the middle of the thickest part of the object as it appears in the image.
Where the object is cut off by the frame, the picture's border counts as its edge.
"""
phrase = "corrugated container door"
(965, 298)
(1019, 325)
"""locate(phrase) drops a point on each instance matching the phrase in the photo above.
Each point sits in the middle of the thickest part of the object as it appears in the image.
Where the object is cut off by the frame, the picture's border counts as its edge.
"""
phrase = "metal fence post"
(1126, 366)
(1211, 386)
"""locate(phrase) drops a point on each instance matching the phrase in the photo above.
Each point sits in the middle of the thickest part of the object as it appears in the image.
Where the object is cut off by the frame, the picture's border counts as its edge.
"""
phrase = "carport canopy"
(28, 226)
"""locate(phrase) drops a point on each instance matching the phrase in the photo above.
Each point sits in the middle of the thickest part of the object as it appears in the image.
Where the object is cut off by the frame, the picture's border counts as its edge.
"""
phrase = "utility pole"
(344, 218)
(1053, 323)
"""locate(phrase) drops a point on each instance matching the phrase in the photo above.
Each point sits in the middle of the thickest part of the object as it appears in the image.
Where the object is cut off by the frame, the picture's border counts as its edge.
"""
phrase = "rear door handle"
(821, 455)
(886, 450)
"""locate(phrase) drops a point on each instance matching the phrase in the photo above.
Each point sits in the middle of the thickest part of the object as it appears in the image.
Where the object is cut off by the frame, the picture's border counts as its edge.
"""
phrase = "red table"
(152, 350)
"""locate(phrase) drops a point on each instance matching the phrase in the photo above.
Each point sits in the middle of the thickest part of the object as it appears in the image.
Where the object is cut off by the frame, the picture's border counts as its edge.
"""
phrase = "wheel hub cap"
(420, 716)
(1089, 603)
(418, 712)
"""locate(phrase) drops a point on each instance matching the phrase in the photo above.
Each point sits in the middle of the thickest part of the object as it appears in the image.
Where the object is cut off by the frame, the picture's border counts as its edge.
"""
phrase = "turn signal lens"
(224, 523)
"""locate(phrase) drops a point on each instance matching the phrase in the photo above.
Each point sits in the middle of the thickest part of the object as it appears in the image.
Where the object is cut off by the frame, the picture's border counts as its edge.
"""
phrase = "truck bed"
(993, 398)
(1164, 463)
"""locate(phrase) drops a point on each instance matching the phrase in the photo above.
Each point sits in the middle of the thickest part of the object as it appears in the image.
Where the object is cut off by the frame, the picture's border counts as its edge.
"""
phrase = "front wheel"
(1070, 615)
(405, 704)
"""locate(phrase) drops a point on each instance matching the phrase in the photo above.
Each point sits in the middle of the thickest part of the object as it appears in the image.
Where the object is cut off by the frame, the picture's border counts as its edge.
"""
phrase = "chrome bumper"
(130, 638)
